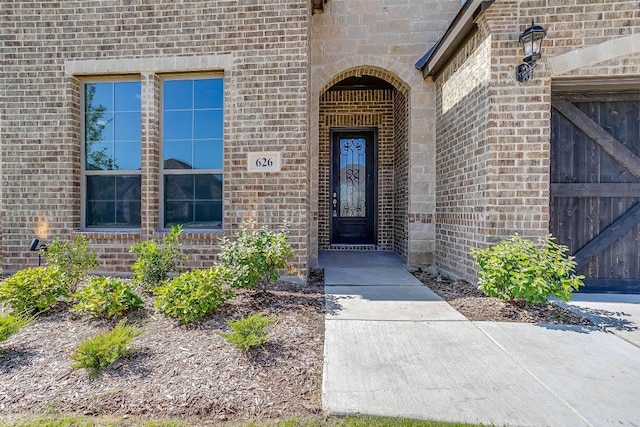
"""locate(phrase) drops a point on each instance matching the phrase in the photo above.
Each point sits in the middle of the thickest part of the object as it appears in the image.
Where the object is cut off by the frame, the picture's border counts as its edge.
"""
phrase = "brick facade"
(48, 47)
(463, 156)
(493, 164)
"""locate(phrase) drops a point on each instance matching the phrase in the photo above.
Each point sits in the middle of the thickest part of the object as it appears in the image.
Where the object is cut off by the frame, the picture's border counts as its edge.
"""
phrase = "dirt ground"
(474, 305)
(187, 372)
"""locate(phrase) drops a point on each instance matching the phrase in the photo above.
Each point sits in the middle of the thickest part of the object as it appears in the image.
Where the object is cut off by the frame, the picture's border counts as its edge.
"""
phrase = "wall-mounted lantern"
(531, 40)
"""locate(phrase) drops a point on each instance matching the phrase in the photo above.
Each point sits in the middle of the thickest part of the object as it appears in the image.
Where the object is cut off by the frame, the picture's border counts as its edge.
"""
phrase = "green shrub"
(154, 262)
(518, 268)
(74, 260)
(192, 295)
(33, 290)
(102, 350)
(11, 324)
(256, 256)
(106, 297)
(250, 331)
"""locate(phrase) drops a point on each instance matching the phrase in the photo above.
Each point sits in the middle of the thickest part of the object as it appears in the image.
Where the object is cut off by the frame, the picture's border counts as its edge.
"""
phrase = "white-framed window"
(192, 141)
(111, 153)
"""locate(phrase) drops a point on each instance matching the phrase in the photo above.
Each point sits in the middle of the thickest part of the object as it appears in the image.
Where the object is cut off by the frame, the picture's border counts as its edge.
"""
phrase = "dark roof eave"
(458, 30)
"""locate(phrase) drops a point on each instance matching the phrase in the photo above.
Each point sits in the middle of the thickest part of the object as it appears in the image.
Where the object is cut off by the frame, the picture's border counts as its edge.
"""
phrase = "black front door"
(353, 181)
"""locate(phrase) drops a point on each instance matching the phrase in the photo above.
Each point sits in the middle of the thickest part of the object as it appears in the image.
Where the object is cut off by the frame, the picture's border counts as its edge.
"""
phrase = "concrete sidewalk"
(394, 348)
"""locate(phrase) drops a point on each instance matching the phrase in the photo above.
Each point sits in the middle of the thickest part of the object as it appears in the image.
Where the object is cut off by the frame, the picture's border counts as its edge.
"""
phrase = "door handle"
(335, 204)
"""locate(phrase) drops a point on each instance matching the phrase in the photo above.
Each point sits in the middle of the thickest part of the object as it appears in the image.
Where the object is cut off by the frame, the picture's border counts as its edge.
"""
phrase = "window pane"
(208, 154)
(101, 214)
(113, 201)
(178, 155)
(127, 126)
(128, 213)
(209, 93)
(101, 188)
(208, 214)
(178, 187)
(127, 156)
(208, 124)
(128, 188)
(178, 94)
(195, 201)
(98, 96)
(127, 96)
(208, 187)
(177, 213)
(177, 125)
(98, 127)
(99, 156)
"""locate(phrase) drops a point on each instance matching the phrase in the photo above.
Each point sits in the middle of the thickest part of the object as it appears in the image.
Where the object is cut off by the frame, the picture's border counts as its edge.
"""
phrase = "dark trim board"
(579, 189)
(611, 286)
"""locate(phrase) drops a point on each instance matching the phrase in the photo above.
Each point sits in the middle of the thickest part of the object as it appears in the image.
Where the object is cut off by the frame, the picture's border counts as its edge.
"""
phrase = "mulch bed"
(191, 372)
(176, 371)
(476, 306)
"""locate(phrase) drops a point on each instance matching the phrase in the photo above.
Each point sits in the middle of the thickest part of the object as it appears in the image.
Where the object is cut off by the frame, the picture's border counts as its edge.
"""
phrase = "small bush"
(33, 290)
(106, 297)
(154, 262)
(192, 295)
(518, 268)
(11, 324)
(102, 350)
(256, 256)
(250, 331)
(74, 260)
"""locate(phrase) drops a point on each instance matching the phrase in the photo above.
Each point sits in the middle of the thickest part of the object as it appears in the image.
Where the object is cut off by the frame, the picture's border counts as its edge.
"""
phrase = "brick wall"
(493, 166)
(401, 176)
(462, 155)
(46, 45)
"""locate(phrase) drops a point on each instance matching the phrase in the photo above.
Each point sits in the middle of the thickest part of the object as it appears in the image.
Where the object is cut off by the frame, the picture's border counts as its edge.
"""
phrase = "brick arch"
(368, 70)
(386, 109)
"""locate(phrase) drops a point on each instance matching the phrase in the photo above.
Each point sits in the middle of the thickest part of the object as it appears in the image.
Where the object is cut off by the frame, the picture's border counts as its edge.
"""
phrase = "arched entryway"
(363, 162)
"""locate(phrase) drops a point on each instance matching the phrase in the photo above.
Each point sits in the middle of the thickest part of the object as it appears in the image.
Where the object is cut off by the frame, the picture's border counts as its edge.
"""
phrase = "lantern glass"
(531, 40)
(528, 46)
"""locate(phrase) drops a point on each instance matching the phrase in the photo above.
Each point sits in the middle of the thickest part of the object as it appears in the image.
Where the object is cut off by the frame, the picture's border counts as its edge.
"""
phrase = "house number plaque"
(263, 162)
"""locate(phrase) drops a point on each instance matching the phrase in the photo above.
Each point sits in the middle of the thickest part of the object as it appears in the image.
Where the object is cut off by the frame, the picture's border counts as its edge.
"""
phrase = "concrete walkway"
(394, 348)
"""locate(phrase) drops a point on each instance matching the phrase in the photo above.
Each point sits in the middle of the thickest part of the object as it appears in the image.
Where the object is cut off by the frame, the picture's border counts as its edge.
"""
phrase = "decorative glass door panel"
(353, 178)
(353, 185)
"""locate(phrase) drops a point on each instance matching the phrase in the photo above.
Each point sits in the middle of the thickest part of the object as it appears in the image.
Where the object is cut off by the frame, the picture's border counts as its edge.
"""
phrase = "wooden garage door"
(595, 187)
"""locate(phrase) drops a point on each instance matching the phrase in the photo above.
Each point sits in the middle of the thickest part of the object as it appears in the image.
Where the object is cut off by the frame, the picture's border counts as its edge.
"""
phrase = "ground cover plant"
(249, 332)
(518, 268)
(11, 324)
(102, 350)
